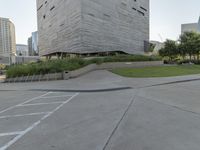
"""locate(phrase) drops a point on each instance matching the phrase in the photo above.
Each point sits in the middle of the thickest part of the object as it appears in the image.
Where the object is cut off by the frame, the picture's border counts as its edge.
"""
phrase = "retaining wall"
(46, 77)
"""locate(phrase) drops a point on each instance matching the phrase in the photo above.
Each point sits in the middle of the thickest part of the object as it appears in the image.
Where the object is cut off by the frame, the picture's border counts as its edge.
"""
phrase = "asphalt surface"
(101, 111)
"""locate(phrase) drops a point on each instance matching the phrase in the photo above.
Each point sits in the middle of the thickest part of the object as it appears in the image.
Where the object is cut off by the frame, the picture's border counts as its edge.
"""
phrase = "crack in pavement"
(173, 106)
(121, 119)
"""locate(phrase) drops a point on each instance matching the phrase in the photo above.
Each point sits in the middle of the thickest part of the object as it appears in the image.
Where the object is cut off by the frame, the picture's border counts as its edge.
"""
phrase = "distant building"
(30, 51)
(93, 26)
(21, 50)
(190, 27)
(157, 46)
(7, 41)
(26, 59)
(33, 48)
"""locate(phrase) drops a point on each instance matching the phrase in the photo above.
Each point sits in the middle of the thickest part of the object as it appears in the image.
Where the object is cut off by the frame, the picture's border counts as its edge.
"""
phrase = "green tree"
(170, 50)
(197, 46)
(190, 44)
(182, 50)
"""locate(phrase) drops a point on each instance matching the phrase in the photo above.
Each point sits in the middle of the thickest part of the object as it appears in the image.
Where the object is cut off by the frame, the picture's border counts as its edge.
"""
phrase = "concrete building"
(157, 46)
(26, 59)
(7, 41)
(190, 27)
(33, 48)
(21, 50)
(30, 46)
(91, 26)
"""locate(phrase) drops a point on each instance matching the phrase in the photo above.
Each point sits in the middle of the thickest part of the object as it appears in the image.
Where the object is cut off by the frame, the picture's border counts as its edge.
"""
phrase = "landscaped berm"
(158, 71)
(70, 64)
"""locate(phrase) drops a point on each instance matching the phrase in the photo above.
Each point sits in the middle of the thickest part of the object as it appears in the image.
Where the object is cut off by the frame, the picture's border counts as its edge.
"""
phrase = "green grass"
(158, 71)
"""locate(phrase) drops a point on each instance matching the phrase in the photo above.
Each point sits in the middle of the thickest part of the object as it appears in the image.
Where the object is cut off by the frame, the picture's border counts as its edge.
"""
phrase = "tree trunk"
(198, 56)
(190, 57)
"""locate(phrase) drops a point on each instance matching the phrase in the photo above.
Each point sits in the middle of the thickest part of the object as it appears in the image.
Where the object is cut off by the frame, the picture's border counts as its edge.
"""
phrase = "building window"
(40, 7)
(134, 8)
(141, 13)
(91, 15)
(143, 8)
(52, 8)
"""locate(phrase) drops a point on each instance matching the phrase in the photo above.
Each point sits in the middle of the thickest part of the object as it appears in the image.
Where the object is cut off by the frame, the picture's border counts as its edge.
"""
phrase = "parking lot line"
(11, 133)
(30, 100)
(35, 104)
(56, 96)
(22, 133)
(23, 115)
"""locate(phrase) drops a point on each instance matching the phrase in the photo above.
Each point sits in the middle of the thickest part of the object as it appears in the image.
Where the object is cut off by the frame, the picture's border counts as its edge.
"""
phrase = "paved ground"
(101, 111)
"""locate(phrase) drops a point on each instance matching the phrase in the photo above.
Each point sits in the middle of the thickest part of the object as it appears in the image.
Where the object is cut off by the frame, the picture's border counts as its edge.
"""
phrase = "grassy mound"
(160, 71)
(60, 65)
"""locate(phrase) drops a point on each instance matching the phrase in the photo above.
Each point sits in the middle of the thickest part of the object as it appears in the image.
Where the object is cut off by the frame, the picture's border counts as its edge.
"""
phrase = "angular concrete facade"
(190, 27)
(92, 26)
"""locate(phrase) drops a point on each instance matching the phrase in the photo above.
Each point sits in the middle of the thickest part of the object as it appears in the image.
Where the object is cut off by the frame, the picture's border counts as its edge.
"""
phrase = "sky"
(23, 14)
(166, 17)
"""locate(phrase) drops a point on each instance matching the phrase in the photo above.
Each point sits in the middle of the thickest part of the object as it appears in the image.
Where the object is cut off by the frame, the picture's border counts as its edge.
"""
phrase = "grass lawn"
(158, 71)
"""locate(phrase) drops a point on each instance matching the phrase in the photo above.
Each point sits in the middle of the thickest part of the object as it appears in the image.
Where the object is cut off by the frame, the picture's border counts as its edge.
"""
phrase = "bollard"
(48, 77)
(32, 78)
(15, 79)
(22, 79)
(55, 76)
(40, 77)
(27, 78)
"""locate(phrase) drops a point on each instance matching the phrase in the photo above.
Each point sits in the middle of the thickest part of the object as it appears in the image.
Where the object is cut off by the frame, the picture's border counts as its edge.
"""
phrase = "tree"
(190, 44)
(197, 46)
(170, 50)
(182, 50)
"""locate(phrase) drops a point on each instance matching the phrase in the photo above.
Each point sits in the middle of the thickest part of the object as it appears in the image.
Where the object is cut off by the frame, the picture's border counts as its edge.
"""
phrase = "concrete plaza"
(101, 111)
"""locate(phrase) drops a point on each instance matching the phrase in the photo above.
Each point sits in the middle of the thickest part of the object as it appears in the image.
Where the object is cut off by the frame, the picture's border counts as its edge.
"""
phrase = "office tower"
(7, 41)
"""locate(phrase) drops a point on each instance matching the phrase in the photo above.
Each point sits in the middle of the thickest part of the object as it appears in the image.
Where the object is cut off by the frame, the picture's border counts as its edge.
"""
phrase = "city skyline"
(163, 23)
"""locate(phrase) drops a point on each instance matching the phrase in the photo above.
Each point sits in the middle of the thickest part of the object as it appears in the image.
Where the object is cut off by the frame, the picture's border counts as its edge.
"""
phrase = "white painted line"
(36, 104)
(23, 115)
(35, 124)
(56, 96)
(28, 101)
(11, 133)
(32, 99)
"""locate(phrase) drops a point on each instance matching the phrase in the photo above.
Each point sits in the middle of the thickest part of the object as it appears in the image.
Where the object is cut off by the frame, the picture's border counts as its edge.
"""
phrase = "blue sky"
(23, 14)
(165, 18)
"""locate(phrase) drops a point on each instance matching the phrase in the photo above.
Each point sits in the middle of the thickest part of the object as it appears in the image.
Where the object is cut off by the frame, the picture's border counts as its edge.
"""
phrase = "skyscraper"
(30, 50)
(33, 44)
(90, 26)
(7, 41)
